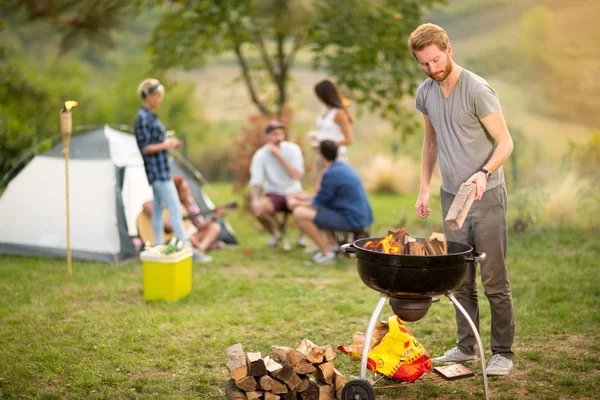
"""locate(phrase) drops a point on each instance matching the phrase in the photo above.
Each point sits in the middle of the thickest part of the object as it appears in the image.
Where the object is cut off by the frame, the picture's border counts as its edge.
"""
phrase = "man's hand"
(422, 206)
(275, 150)
(480, 181)
(257, 207)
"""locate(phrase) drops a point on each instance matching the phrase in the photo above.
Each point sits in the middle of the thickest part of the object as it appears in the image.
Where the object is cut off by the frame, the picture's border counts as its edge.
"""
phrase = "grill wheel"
(358, 389)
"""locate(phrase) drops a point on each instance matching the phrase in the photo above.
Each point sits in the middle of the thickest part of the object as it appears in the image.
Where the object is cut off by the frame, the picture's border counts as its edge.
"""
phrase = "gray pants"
(485, 230)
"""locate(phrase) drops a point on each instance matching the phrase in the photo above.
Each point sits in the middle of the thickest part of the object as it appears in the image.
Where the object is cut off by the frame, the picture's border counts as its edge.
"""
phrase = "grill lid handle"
(348, 248)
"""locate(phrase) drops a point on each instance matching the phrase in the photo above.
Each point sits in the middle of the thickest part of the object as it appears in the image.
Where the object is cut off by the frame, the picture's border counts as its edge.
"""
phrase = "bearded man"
(465, 130)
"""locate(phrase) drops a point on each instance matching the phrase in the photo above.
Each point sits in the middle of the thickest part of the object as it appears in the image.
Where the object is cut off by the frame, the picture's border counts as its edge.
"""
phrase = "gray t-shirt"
(464, 145)
(267, 172)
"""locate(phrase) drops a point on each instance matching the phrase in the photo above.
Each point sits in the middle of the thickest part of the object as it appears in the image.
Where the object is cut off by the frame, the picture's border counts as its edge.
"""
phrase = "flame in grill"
(391, 244)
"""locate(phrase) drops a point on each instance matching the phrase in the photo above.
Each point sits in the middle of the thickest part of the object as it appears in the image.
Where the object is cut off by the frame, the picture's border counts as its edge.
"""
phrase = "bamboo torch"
(66, 127)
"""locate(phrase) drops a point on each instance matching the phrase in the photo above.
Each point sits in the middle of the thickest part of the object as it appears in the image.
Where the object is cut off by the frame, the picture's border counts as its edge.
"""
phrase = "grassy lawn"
(94, 337)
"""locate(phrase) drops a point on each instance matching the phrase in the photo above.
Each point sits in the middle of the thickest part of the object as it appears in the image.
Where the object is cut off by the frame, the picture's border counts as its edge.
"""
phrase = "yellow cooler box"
(167, 277)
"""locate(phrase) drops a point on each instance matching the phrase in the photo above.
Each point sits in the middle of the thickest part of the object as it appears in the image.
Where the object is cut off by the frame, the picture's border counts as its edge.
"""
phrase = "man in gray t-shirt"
(465, 130)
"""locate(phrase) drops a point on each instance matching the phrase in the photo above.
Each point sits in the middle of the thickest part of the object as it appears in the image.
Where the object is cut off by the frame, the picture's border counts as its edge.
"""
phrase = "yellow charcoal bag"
(399, 355)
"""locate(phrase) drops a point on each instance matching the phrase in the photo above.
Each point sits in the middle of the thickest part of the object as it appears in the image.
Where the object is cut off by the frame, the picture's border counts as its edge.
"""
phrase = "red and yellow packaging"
(399, 355)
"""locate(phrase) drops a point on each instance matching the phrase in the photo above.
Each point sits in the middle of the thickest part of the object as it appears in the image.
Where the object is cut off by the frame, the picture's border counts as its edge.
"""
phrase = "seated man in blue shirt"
(341, 203)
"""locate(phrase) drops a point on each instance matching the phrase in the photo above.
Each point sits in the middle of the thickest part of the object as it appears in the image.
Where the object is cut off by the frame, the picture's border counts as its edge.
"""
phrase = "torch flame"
(70, 104)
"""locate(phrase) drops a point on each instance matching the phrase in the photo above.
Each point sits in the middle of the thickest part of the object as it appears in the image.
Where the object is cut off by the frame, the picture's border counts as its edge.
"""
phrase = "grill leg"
(370, 329)
(474, 329)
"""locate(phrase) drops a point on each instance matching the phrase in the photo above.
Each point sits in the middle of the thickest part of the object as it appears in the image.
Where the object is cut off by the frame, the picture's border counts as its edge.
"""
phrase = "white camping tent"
(107, 187)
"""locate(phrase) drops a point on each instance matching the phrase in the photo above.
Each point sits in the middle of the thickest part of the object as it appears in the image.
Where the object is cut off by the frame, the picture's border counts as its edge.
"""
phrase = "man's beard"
(443, 74)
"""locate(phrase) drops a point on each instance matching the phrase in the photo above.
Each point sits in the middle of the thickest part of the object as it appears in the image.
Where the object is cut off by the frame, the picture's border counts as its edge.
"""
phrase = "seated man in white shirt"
(275, 172)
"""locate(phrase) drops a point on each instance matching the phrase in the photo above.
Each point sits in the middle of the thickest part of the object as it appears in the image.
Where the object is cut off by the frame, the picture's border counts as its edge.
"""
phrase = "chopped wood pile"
(400, 242)
(304, 373)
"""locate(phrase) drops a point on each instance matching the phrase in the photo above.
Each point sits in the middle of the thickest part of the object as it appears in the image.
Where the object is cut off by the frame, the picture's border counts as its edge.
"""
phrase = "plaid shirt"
(149, 130)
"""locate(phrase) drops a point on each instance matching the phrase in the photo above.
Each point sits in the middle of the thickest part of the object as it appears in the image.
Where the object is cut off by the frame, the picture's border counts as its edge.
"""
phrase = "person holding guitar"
(202, 233)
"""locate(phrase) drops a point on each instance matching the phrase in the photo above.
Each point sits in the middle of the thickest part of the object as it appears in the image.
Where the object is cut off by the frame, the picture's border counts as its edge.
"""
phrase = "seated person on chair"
(202, 233)
(341, 204)
(276, 170)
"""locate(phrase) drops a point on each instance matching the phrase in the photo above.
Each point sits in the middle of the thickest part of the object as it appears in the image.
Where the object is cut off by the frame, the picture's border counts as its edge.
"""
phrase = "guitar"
(144, 222)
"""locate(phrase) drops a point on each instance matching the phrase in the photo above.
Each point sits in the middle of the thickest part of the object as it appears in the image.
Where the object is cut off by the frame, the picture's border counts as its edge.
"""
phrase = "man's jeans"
(165, 195)
(485, 230)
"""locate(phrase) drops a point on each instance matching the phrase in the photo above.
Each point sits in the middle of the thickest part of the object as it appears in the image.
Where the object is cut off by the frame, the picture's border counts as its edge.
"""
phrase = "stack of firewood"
(305, 373)
(400, 242)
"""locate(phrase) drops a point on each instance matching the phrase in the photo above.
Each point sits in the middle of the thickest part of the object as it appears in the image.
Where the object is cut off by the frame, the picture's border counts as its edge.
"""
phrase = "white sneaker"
(321, 258)
(499, 366)
(302, 242)
(199, 256)
(454, 355)
(273, 241)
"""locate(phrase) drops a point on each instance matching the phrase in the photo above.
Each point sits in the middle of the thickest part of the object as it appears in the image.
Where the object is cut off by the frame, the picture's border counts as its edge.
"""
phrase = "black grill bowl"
(408, 276)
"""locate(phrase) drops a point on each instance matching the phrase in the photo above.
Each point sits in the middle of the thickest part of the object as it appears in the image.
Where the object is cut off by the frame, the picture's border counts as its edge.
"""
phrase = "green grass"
(93, 336)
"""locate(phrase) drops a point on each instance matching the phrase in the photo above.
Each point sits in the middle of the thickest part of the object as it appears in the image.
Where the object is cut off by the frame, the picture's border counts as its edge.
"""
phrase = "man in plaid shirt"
(150, 136)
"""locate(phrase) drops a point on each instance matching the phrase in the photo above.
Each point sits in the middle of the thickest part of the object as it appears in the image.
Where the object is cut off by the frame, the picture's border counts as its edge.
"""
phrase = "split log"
(287, 355)
(233, 392)
(438, 242)
(272, 366)
(304, 367)
(416, 248)
(326, 392)
(330, 353)
(265, 382)
(236, 361)
(278, 387)
(338, 379)
(324, 373)
(287, 375)
(294, 359)
(313, 353)
(338, 393)
(247, 383)
(254, 395)
(271, 396)
(256, 364)
(460, 206)
(289, 396)
(304, 385)
(312, 393)
(429, 250)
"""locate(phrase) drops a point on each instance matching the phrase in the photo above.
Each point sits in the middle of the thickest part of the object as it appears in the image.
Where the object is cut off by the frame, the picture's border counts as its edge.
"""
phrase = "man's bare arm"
(496, 127)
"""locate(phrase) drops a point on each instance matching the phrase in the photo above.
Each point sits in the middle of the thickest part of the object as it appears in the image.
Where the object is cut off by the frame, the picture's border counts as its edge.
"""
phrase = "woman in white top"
(334, 123)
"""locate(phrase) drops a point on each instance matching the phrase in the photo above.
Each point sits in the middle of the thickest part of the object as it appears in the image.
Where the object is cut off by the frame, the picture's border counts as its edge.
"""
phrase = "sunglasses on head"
(150, 90)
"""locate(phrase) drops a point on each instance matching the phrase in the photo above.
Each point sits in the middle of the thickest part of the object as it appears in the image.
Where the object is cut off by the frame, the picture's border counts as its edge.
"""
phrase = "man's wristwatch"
(487, 173)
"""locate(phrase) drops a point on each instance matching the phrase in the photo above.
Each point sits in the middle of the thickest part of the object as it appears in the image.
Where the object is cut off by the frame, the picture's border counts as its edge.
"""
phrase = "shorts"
(331, 220)
(278, 202)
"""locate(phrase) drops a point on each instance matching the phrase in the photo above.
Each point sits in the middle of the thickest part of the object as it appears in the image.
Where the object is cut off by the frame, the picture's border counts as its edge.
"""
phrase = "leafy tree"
(361, 43)
(93, 20)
